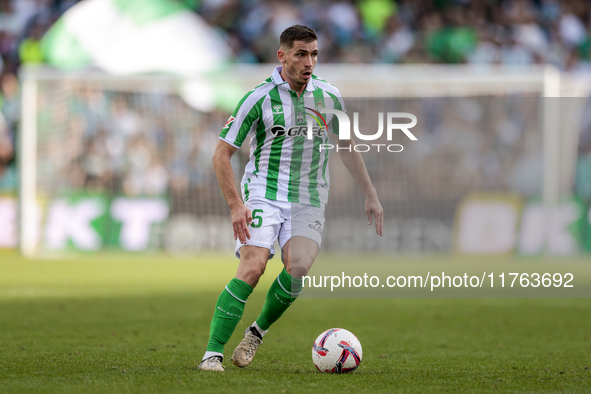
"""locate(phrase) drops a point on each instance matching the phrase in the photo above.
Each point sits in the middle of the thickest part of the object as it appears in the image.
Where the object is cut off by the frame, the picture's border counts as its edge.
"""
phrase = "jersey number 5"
(257, 221)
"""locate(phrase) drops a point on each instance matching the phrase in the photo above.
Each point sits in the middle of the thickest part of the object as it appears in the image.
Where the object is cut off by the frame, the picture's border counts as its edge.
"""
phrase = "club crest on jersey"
(277, 108)
(228, 122)
(300, 117)
(320, 106)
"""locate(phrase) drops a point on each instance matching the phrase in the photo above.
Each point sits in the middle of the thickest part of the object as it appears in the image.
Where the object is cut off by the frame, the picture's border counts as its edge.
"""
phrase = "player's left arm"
(356, 167)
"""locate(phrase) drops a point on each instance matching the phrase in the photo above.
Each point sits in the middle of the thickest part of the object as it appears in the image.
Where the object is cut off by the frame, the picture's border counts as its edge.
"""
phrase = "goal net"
(124, 163)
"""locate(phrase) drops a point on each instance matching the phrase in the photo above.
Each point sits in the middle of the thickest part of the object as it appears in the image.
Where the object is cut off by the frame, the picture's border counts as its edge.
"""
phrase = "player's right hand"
(241, 218)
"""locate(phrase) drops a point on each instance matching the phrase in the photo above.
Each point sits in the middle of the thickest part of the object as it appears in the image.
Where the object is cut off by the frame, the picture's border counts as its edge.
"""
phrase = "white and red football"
(337, 351)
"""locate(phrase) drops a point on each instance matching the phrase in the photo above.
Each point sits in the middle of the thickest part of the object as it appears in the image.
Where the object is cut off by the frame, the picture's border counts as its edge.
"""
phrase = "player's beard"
(295, 74)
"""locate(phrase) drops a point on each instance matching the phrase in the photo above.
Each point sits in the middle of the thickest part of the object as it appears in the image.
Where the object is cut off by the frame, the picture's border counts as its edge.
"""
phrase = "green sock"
(280, 296)
(227, 314)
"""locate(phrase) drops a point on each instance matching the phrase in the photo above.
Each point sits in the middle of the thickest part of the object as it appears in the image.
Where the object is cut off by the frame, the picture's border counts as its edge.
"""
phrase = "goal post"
(28, 212)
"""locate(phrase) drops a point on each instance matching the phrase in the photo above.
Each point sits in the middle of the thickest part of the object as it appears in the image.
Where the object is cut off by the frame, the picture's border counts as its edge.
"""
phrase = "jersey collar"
(277, 80)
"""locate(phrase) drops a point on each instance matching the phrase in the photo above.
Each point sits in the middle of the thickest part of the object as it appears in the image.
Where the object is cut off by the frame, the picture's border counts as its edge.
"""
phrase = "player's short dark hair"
(296, 33)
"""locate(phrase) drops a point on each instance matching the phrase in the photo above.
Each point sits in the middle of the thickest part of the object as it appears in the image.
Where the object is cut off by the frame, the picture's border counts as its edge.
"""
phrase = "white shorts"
(280, 220)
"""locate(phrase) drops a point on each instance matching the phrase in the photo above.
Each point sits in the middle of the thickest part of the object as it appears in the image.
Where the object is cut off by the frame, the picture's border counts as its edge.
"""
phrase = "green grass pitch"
(139, 324)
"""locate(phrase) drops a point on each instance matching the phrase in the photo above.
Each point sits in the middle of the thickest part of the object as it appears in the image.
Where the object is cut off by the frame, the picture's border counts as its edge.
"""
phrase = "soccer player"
(284, 189)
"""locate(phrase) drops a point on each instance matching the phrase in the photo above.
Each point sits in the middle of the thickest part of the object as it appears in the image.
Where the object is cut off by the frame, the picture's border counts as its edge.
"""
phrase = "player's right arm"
(241, 215)
(244, 119)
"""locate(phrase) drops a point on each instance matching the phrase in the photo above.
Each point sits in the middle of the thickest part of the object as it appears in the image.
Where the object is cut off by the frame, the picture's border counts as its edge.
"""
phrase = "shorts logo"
(300, 117)
(316, 226)
(277, 108)
(228, 122)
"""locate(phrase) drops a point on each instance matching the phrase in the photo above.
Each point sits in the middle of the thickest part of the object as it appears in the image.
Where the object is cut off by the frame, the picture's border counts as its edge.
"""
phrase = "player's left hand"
(373, 207)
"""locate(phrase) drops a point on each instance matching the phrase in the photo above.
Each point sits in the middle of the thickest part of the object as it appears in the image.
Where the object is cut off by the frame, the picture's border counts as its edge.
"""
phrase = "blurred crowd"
(22, 25)
(414, 31)
(137, 144)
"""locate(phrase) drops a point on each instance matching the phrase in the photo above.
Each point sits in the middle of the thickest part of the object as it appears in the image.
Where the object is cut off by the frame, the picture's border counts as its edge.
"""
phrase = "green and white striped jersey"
(284, 164)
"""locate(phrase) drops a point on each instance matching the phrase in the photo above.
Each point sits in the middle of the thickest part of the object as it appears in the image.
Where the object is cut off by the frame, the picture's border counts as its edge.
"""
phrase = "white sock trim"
(260, 330)
(209, 354)
(232, 294)
(285, 290)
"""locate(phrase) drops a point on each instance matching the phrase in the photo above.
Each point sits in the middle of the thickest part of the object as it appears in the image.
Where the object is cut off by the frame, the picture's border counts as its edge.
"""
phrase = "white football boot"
(245, 351)
(214, 363)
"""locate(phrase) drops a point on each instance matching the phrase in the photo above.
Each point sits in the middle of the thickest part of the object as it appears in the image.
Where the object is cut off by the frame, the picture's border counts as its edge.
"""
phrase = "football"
(337, 351)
